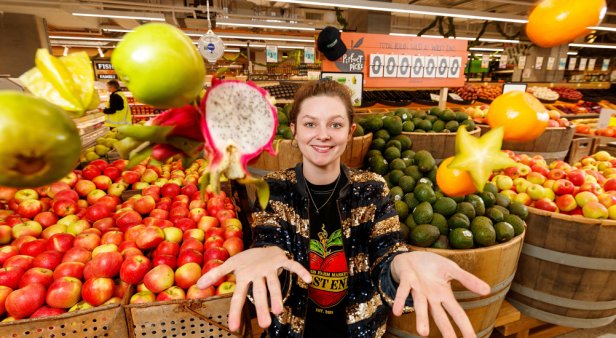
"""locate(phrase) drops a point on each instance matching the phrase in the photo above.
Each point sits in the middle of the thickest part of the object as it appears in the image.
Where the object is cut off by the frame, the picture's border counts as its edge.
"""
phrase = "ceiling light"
(486, 49)
(409, 9)
(82, 38)
(261, 24)
(459, 38)
(232, 50)
(121, 15)
(593, 45)
(264, 37)
(603, 28)
(572, 53)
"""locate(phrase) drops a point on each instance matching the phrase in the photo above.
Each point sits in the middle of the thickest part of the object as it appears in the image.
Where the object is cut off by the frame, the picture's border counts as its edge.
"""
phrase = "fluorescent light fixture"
(258, 45)
(603, 28)
(65, 53)
(264, 37)
(118, 30)
(572, 53)
(82, 38)
(592, 45)
(262, 24)
(486, 49)
(458, 38)
(408, 9)
(120, 15)
(232, 50)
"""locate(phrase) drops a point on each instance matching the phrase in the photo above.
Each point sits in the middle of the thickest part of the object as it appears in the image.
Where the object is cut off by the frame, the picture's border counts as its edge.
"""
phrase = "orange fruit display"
(521, 115)
(454, 182)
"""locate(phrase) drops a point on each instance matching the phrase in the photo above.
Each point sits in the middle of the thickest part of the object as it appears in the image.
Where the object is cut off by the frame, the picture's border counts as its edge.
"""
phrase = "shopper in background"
(327, 258)
(117, 110)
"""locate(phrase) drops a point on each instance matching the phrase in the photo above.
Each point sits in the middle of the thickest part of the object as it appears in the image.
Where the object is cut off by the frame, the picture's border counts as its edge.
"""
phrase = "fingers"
(237, 303)
(459, 317)
(420, 303)
(273, 285)
(298, 269)
(441, 320)
(401, 294)
(214, 275)
(470, 281)
(259, 293)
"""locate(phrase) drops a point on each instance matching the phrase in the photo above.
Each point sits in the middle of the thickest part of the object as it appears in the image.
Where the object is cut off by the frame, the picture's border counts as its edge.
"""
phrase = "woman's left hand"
(427, 277)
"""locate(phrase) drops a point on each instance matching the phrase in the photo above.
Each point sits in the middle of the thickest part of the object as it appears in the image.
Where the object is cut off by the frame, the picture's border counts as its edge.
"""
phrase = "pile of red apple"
(74, 244)
(587, 188)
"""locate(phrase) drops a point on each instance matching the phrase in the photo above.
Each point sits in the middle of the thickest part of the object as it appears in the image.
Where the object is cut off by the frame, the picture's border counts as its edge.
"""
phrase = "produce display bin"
(580, 147)
(567, 270)
(183, 318)
(103, 321)
(441, 145)
(496, 265)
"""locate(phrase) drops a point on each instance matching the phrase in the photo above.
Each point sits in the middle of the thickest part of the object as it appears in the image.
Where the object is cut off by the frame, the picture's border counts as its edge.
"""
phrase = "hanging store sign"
(572, 62)
(539, 62)
(521, 61)
(211, 47)
(308, 54)
(591, 64)
(551, 61)
(271, 53)
(502, 64)
(562, 63)
(583, 62)
(606, 65)
(402, 62)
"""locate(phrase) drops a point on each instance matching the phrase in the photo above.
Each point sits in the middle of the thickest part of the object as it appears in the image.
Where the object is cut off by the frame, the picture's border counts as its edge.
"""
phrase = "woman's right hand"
(259, 267)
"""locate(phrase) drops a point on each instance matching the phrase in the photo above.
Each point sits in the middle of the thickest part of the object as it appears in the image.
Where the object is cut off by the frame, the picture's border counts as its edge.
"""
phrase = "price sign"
(550, 65)
(485, 61)
(591, 64)
(455, 66)
(271, 53)
(521, 61)
(456, 97)
(418, 66)
(539, 62)
(606, 65)
(562, 63)
(308, 54)
(430, 66)
(572, 62)
(502, 63)
(435, 97)
(376, 65)
(583, 62)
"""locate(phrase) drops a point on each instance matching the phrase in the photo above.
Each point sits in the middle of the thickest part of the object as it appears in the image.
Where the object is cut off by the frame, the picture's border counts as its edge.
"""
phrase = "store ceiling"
(189, 14)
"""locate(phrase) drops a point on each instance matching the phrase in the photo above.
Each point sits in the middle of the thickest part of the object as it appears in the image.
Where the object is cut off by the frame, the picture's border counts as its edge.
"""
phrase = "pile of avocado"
(433, 120)
(284, 131)
(429, 218)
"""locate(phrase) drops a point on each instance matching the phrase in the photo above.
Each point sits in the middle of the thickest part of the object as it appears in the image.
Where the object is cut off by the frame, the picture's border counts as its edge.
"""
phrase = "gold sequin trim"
(399, 247)
(359, 264)
(288, 214)
(262, 218)
(381, 330)
(286, 317)
(390, 301)
(365, 176)
(365, 310)
(301, 283)
(385, 226)
(282, 175)
(358, 215)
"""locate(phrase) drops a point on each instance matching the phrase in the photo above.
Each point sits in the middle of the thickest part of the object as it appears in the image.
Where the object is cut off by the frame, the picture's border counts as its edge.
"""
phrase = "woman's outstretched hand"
(427, 277)
(259, 267)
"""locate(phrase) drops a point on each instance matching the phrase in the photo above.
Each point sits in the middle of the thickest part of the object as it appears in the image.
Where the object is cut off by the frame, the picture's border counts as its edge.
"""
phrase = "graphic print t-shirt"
(326, 315)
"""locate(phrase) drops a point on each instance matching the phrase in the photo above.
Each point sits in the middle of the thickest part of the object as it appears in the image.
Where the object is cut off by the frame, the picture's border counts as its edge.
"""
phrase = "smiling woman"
(327, 249)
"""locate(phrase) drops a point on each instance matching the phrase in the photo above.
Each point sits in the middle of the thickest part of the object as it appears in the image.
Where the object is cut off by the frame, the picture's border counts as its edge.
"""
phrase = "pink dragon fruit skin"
(224, 160)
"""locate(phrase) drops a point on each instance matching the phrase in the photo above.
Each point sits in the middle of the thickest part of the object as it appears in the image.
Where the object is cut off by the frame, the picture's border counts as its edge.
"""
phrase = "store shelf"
(89, 139)
(580, 116)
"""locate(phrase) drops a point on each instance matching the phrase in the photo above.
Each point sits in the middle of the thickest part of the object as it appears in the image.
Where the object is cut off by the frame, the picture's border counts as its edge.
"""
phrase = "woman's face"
(322, 131)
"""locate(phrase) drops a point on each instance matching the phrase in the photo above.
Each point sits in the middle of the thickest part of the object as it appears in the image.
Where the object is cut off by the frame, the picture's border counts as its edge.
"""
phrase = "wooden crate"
(193, 318)
(440, 145)
(580, 148)
(528, 327)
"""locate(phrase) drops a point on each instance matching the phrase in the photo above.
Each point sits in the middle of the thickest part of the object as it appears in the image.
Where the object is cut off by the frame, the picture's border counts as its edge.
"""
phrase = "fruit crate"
(184, 318)
(102, 321)
(580, 148)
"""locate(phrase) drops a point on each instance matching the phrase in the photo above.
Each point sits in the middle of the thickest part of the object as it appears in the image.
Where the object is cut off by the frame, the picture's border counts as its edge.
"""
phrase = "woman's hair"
(322, 88)
(115, 84)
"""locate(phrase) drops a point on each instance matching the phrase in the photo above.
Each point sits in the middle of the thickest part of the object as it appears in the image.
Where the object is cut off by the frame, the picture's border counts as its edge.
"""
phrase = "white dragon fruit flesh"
(239, 124)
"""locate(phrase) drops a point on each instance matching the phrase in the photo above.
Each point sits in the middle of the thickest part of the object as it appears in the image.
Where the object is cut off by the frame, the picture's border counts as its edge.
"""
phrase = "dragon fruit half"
(239, 123)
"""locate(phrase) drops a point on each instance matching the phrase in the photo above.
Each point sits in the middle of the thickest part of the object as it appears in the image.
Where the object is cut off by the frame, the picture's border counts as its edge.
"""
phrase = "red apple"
(214, 231)
(196, 214)
(187, 256)
(233, 231)
(235, 245)
(112, 172)
(106, 264)
(102, 182)
(28, 228)
(46, 311)
(67, 194)
(104, 224)
(98, 290)
(112, 237)
(195, 293)
(23, 302)
(130, 177)
(77, 254)
(192, 244)
(36, 275)
(84, 187)
(225, 214)
(189, 189)
(7, 193)
(90, 171)
(152, 191)
(6, 234)
(29, 208)
(167, 248)
(94, 195)
(69, 269)
(150, 237)
(64, 292)
(49, 259)
(178, 212)
(595, 188)
(577, 177)
(170, 190)
(64, 207)
(128, 219)
(159, 213)
(10, 276)
(187, 275)
(60, 242)
(198, 203)
(216, 253)
(21, 240)
(566, 202)
(214, 241)
(546, 204)
(132, 233)
(134, 269)
(168, 260)
(172, 293)
(185, 224)
(23, 262)
(46, 219)
(25, 194)
(110, 201)
(4, 292)
(159, 278)
(563, 187)
(144, 205)
(33, 248)
(87, 241)
(142, 297)
(7, 252)
(182, 199)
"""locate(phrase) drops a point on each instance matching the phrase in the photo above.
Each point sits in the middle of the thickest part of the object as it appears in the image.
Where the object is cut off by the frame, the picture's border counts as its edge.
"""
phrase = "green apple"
(160, 65)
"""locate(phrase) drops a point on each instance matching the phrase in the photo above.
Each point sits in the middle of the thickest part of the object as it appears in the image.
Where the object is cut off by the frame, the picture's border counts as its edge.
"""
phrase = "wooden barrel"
(496, 265)
(567, 270)
(289, 155)
(441, 145)
(553, 144)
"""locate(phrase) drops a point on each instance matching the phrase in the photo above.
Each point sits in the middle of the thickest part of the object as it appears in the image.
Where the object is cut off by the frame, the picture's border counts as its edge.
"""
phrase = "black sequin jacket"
(371, 238)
